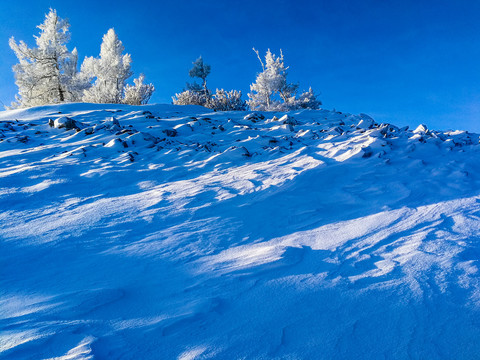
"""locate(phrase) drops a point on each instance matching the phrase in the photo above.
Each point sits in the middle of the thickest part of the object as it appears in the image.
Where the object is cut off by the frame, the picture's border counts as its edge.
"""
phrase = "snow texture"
(174, 232)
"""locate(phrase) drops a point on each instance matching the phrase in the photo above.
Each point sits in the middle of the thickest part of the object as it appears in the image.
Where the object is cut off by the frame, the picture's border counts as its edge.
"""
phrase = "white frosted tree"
(272, 92)
(138, 94)
(48, 72)
(110, 71)
(269, 82)
(75, 82)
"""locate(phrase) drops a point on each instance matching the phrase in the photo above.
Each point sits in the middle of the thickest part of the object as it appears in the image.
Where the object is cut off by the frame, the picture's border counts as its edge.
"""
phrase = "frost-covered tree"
(200, 70)
(227, 101)
(271, 91)
(268, 83)
(75, 82)
(138, 94)
(48, 72)
(110, 71)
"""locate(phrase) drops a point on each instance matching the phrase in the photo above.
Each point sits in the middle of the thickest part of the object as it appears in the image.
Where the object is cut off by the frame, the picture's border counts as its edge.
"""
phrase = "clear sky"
(405, 62)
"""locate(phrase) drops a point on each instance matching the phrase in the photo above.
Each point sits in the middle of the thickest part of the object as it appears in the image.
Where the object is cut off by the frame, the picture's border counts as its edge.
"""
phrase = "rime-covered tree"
(138, 94)
(110, 71)
(200, 70)
(75, 82)
(269, 82)
(48, 72)
(271, 91)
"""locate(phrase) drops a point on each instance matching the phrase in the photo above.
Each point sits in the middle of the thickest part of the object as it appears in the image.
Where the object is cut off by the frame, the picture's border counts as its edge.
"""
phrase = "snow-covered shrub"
(138, 94)
(189, 97)
(48, 72)
(308, 100)
(222, 100)
(227, 101)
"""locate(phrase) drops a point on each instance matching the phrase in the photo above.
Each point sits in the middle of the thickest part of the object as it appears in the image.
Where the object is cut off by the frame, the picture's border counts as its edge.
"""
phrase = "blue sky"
(406, 62)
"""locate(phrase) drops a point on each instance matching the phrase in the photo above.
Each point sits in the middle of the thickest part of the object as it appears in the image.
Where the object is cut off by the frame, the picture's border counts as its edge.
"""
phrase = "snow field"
(175, 232)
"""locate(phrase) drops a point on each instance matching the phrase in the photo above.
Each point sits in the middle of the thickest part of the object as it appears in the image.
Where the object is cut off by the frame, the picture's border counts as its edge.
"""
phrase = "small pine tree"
(200, 94)
(110, 70)
(138, 94)
(200, 70)
(47, 73)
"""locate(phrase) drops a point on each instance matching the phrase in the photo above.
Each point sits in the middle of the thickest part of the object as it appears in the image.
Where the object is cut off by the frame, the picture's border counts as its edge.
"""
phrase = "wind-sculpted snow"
(174, 232)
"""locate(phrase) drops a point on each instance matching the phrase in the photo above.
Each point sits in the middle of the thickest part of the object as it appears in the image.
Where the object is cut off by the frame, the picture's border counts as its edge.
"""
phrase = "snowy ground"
(177, 233)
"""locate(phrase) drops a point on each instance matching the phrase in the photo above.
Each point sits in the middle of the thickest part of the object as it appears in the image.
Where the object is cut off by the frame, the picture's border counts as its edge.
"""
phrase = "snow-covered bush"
(138, 94)
(222, 100)
(272, 92)
(190, 97)
(308, 100)
(48, 72)
(227, 101)
(110, 70)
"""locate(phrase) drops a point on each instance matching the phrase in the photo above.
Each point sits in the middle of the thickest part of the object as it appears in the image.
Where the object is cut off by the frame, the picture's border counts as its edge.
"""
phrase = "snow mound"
(176, 232)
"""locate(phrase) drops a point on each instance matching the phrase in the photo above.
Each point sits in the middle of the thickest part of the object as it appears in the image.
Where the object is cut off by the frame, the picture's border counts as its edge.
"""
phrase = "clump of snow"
(116, 144)
(421, 129)
(64, 122)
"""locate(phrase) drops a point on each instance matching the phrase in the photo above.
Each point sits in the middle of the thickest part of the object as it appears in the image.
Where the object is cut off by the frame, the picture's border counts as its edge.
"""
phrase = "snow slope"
(168, 232)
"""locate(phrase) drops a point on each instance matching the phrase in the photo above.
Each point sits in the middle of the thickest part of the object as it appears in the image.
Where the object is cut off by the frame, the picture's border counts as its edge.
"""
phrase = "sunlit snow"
(175, 232)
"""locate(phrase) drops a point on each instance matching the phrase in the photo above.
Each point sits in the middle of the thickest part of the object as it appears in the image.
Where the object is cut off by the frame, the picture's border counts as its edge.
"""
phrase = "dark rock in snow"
(288, 120)
(254, 116)
(22, 139)
(367, 152)
(170, 132)
(115, 122)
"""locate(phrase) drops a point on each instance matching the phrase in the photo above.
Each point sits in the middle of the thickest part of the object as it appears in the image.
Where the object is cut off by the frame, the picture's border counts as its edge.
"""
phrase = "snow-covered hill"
(168, 232)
